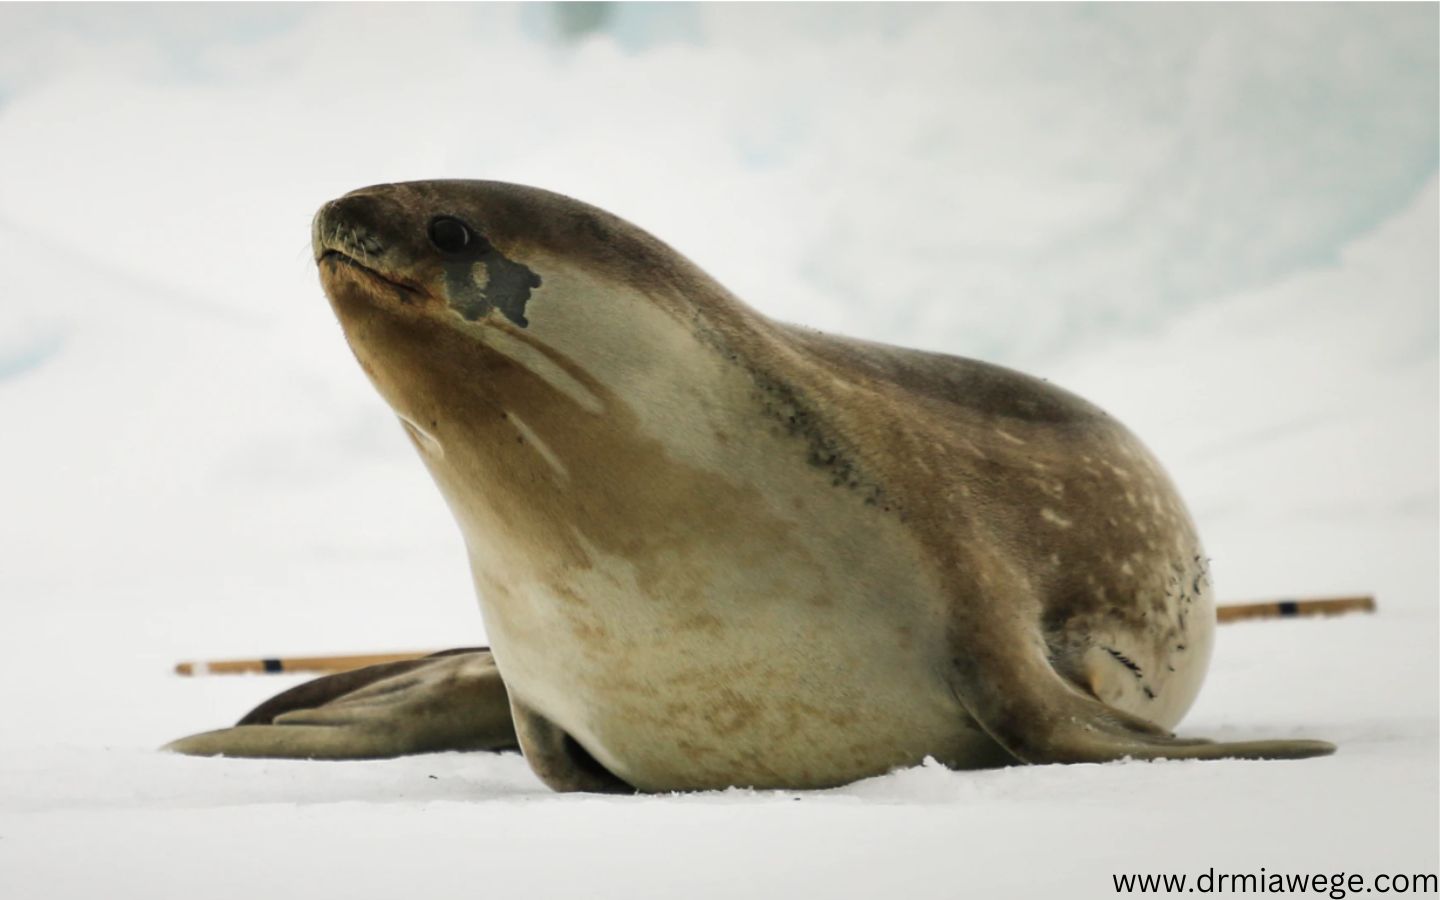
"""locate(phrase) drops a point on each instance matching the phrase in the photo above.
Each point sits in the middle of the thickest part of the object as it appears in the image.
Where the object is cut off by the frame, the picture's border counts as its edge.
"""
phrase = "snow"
(1218, 223)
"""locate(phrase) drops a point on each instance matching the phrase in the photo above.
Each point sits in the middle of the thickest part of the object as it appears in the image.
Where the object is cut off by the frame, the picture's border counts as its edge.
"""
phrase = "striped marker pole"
(1225, 613)
(271, 665)
(1287, 609)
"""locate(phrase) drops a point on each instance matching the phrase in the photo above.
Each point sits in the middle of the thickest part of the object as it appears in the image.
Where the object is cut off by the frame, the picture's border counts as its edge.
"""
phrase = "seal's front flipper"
(559, 760)
(1039, 717)
(450, 701)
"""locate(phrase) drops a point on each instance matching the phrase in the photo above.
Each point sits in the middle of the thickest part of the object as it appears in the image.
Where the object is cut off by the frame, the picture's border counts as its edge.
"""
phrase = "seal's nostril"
(449, 234)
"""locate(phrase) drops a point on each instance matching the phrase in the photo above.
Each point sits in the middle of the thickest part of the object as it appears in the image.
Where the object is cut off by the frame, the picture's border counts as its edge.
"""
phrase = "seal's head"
(479, 250)
(425, 245)
(424, 275)
(495, 318)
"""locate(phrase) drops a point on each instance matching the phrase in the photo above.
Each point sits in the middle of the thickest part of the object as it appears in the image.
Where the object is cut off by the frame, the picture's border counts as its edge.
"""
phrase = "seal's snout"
(353, 225)
(319, 227)
(365, 247)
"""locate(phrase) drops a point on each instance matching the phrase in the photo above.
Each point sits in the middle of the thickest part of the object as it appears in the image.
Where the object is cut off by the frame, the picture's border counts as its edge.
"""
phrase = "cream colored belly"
(733, 685)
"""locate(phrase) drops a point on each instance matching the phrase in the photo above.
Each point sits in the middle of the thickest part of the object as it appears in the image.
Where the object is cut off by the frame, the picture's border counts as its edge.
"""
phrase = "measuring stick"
(1285, 609)
(1226, 612)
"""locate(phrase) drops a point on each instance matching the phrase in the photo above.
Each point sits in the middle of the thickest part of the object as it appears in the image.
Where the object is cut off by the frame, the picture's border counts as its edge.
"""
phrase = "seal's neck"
(540, 436)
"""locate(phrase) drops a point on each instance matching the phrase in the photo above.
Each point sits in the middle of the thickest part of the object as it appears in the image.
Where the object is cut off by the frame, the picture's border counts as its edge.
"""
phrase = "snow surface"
(1220, 223)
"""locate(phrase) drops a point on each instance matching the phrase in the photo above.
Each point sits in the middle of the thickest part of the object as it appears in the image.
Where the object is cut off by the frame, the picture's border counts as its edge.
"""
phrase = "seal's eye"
(449, 234)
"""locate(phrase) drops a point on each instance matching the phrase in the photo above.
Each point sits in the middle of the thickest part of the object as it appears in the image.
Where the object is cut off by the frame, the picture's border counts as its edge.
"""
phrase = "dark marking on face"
(507, 283)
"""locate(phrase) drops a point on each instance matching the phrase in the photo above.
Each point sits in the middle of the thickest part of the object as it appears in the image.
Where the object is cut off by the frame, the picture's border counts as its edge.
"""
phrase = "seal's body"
(712, 549)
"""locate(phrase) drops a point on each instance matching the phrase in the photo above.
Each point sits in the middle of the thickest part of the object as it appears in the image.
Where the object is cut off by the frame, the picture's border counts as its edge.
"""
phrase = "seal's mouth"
(409, 289)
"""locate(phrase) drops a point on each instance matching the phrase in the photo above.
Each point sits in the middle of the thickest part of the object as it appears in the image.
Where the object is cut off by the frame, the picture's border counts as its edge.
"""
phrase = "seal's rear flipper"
(319, 691)
(1038, 716)
(450, 701)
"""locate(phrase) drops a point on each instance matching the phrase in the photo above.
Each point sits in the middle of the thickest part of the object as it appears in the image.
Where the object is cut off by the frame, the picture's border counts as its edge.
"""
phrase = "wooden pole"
(1225, 613)
(1284, 609)
(272, 665)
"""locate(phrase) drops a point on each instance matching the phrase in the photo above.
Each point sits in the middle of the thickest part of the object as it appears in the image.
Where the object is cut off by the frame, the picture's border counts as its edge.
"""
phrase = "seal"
(712, 549)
